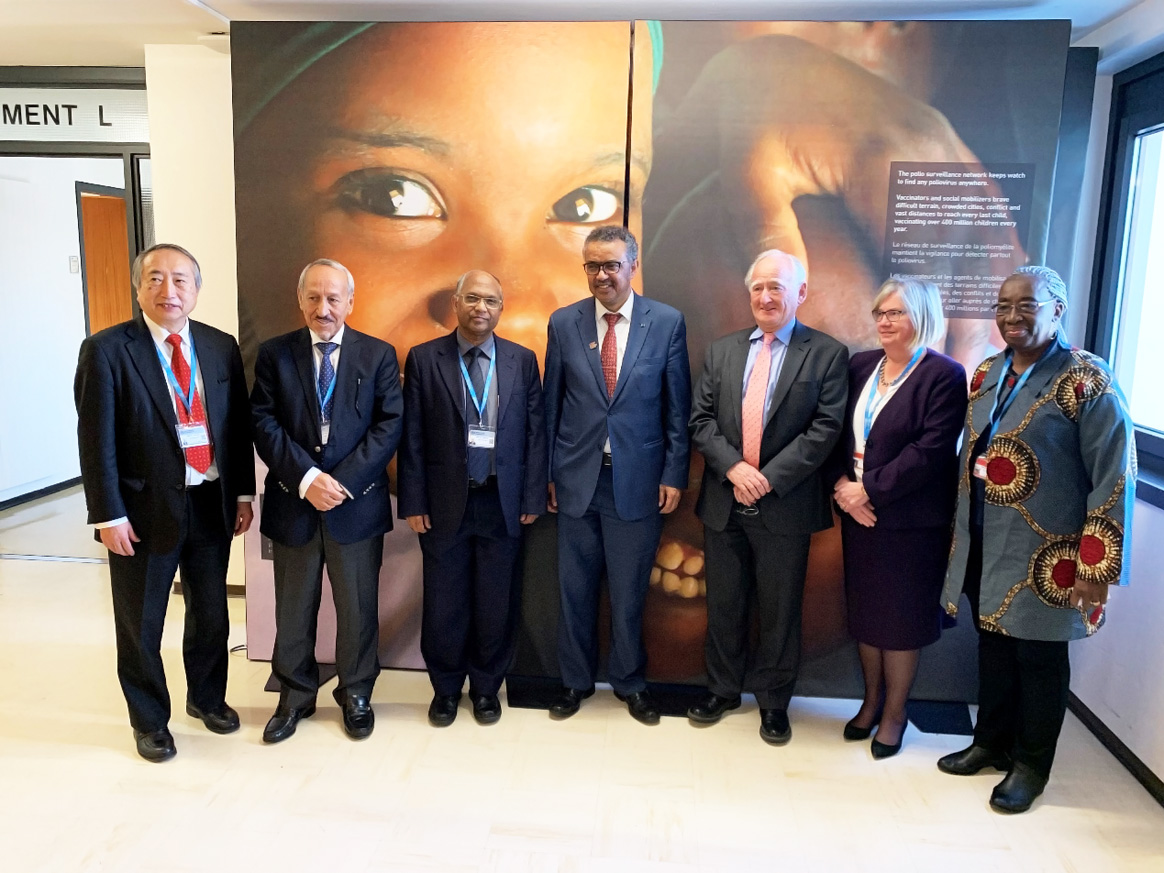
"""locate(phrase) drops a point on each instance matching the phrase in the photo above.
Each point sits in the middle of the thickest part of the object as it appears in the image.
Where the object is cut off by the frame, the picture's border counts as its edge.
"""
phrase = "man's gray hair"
(922, 302)
(335, 265)
(801, 272)
(1045, 278)
(615, 233)
(465, 277)
(139, 262)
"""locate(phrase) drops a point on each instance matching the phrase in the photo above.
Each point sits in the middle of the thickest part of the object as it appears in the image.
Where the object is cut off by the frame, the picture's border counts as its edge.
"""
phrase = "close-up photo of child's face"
(413, 153)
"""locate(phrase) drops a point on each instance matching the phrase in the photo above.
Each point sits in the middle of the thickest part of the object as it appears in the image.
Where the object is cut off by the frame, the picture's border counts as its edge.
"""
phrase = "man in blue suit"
(472, 471)
(618, 394)
(327, 410)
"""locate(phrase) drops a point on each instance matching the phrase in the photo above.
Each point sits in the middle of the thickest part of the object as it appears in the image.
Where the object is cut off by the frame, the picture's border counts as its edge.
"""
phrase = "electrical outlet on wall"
(74, 264)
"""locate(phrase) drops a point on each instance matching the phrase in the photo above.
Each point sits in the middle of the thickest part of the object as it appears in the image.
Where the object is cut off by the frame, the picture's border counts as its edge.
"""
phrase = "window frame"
(1137, 105)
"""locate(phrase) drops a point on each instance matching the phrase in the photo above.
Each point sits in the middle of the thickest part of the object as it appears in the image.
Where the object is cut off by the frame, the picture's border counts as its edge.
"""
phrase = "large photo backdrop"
(414, 152)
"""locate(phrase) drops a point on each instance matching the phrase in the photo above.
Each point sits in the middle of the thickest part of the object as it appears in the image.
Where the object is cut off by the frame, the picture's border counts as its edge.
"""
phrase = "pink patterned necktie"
(610, 353)
(754, 396)
(198, 457)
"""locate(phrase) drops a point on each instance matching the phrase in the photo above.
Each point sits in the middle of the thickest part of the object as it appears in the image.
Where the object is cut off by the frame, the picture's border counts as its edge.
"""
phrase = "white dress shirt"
(859, 413)
(324, 426)
(621, 334)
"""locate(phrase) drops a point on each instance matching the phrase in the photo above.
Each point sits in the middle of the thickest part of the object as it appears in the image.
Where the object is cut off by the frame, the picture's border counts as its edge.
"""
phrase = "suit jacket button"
(318, 450)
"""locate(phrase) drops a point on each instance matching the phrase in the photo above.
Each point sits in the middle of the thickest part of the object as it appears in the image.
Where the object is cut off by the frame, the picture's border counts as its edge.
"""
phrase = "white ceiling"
(113, 32)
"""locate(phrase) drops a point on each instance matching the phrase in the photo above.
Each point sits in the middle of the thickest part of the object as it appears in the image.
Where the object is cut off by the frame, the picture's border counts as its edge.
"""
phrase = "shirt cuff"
(306, 481)
(246, 498)
(104, 524)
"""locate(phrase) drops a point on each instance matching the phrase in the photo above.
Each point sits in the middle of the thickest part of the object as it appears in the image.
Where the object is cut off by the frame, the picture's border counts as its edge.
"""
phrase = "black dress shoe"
(442, 712)
(884, 750)
(358, 716)
(774, 727)
(223, 720)
(640, 706)
(1018, 790)
(711, 708)
(155, 746)
(854, 733)
(486, 708)
(972, 759)
(282, 724)
(569, 701)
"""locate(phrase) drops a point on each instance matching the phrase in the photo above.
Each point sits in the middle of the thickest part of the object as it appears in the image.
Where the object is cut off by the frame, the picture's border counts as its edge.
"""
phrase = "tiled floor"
(598, 792)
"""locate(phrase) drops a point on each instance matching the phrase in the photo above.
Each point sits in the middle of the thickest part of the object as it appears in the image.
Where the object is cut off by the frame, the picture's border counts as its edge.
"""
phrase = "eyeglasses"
(1026, 307)
(610, 268)
(491, 303)
(891, 315)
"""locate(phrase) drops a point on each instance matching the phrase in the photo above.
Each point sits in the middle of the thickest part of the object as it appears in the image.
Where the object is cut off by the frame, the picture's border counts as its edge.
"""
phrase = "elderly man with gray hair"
(327, 412)
(766, 413)
(1042, 529)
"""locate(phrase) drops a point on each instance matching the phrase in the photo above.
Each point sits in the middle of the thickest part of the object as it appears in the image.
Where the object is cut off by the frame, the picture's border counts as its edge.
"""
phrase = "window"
(1127, 311)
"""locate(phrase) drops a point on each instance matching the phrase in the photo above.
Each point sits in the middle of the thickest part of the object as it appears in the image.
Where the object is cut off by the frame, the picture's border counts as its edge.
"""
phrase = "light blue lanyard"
(479, 405)
(873, 402)
(188, 400)
(996, 414)
(330, 390)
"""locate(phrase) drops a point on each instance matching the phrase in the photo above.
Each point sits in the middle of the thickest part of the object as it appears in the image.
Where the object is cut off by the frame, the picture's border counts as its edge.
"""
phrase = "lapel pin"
(594, 345)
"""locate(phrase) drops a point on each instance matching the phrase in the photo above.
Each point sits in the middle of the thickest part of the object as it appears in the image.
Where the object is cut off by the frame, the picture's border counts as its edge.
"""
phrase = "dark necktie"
(198, 457)
(610, 353)
(479, 458)
(326, 377)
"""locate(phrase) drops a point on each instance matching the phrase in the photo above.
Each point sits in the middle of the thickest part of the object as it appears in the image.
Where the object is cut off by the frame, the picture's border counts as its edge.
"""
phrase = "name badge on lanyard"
(192, 435)
(482, 437)
(859, 464)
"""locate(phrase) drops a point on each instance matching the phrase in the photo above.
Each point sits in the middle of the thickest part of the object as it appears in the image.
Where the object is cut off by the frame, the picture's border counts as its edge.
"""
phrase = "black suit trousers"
(353, 569)
(470, 598)
(746, 559)
(141, 591)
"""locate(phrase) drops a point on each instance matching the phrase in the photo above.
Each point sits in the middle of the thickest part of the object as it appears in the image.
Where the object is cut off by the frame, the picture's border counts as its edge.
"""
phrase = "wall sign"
(73, 115)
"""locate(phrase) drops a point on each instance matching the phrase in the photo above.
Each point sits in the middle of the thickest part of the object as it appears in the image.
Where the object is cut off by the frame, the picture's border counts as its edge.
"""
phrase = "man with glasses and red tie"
(767, 412)
(472, 472)
(163, 425)
(618, 393)
(327, 415)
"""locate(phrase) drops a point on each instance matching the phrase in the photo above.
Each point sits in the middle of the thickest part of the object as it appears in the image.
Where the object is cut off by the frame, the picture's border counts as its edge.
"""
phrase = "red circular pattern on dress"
(1091, 550)
(1001, 471)
(979, 378)
(1080, 390)
(1063, 573)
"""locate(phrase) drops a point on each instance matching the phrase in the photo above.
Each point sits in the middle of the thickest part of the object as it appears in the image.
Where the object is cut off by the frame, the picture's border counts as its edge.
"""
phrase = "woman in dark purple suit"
(897, 471)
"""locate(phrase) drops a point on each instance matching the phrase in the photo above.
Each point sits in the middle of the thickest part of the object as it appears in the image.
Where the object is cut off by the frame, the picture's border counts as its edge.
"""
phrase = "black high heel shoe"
(882, 750)
(853, 732)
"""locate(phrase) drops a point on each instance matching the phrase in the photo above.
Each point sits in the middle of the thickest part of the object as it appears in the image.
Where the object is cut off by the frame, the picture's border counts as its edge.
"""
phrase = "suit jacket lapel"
(305, 364)
(506, 376)
(144, 355)
(640, 326)
(794, 357)
(348, 370)
(214, 400)
(737, 362)
(588, 333)
(448, 364)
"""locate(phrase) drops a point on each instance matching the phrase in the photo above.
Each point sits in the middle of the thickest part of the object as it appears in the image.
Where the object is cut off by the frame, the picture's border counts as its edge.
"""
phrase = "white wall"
(192, 151)
(1117, 674)
(44, 319)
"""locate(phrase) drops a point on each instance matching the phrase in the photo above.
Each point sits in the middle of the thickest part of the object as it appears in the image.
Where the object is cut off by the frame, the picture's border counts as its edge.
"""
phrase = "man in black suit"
(327, 413)
(169, 476)
(472, 472)
(767, 411)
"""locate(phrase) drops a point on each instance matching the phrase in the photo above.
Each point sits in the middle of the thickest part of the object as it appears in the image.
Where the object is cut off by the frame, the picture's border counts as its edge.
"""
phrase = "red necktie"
(757, 392)
(610, 353)
(198, 457)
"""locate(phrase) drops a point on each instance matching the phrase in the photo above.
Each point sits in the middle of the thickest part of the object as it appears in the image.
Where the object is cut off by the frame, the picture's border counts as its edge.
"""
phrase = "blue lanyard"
(996, 414)
(188, 400)
(479, 405)
(323, 400)
(872, 402)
